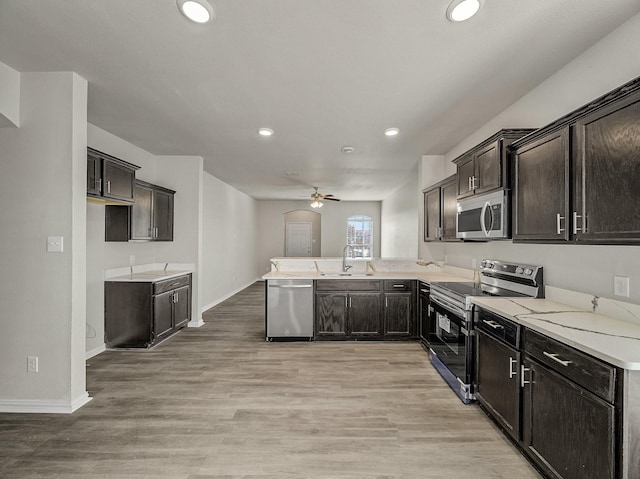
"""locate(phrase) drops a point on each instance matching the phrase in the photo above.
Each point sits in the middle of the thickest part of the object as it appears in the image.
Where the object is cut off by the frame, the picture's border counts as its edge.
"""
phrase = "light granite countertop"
(148, 273)
(612, 340)
(428, 277)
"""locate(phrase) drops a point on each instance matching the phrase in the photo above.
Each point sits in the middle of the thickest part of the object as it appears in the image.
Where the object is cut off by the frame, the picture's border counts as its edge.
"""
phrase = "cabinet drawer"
(347, 285)
(398, 285)
(172, 283)
(587, 371)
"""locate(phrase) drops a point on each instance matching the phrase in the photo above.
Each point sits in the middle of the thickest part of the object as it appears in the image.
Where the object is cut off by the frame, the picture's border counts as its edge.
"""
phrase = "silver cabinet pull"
(583, 228)
(424, 290)
(522, 371)
(470, 187)
(386, 302)
(398, 285)
(558, 219)
(108, 186)
(349, 301)
(556, 358)
(512, 362)
(493, 324)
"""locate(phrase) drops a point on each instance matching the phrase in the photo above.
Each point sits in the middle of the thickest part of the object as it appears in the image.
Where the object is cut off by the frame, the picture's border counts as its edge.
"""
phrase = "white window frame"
(360, 247)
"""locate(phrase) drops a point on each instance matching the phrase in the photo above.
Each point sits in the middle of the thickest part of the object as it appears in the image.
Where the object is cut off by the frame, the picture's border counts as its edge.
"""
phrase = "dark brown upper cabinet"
(110, 180)
(149, 218)
(440, 211)
(541, 189)
(576, 180)
(485, 167)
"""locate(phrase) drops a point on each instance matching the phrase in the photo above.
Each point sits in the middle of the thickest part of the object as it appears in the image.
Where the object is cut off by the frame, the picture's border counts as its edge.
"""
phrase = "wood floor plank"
(218, 402)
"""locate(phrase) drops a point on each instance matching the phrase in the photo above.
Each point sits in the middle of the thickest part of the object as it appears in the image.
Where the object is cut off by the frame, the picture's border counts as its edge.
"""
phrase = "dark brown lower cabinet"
(141, 314)
(347, 315)
(424, 320)
(498, 382)
(567, 430)
(569, 416)
(365, 309)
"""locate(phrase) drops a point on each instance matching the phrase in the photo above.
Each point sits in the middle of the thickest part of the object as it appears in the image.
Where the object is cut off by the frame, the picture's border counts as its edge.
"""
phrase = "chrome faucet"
(346, 267)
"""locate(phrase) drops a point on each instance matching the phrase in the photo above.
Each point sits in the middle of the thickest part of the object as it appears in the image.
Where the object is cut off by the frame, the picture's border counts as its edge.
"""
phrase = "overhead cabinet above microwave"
(576, 180)
(110, 180)
(484, 168)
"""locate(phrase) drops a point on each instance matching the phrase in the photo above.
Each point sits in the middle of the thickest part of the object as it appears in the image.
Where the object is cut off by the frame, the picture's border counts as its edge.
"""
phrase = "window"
(360, 235)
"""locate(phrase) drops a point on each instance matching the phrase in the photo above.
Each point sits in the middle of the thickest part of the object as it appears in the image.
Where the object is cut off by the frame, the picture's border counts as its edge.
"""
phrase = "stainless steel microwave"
(484, 217)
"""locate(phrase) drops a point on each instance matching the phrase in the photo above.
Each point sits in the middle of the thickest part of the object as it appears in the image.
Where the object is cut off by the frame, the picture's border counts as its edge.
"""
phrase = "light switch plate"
(55, 244)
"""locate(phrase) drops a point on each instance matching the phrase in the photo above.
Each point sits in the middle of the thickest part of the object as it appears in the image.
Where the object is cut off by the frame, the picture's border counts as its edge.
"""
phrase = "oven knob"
(528, 272)
(490, 265)
(484, 263)
(519, 270)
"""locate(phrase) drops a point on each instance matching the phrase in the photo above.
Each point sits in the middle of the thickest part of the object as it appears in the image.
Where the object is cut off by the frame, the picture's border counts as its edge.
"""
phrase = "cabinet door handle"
(108, 186)
(493, 324)
(176, 296)
(155, 232)
(558, 219)
(469, 184)
(386, 302)
(512, 372)
(556, 358)
(99, 184)
(424, 290)
(349, 301)
(398, 285)
(346, 301)
(522, 380)
(583, 228)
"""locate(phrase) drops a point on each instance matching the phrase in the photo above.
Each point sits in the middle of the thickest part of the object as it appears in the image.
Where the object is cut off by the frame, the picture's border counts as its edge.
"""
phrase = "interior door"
(298, 239)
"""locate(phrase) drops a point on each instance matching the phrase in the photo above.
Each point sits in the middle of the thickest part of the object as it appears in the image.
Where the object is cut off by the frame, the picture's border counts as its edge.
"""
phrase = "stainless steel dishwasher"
(289, 309)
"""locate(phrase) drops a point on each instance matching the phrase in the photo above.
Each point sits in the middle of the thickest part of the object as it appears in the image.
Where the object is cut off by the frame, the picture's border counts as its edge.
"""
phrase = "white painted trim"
(227, 296)
(95, 351)
(196, 323)
(43, 407)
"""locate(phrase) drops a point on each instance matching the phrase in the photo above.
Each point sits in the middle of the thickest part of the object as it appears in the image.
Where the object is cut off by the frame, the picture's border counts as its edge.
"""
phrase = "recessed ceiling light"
(461, 10)
(265, 131)
(347, 149)
(391, 131)
(198, 11)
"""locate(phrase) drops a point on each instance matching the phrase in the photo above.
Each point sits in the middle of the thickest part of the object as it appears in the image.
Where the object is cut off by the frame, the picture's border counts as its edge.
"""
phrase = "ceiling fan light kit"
(316, 197)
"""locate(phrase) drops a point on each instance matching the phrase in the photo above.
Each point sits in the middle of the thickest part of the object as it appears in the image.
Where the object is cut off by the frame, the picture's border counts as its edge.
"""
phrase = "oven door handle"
(455, 310)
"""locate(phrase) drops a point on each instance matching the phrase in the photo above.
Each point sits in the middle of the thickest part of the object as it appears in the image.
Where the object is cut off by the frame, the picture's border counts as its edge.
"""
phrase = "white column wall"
(42, 295)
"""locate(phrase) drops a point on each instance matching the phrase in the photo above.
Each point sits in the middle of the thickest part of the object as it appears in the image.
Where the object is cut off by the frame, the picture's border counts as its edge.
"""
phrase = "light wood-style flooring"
(219, 402)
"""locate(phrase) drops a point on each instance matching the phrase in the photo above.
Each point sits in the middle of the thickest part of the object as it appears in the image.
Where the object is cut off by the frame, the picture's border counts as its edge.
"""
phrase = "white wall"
(229, 241)
(399, 230)
(271, 231)
(42, 295)
(590, 269)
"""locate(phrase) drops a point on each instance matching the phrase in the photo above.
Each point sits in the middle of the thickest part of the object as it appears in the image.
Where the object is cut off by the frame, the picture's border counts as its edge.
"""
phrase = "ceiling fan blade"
(326, 196)
(332, 199)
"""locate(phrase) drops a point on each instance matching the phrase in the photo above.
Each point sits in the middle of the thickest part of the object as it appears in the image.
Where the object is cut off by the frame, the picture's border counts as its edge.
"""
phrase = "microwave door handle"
(482, 213)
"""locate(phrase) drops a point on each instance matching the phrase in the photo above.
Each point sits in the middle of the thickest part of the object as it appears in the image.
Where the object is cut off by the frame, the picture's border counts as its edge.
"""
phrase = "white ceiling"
(321, 73)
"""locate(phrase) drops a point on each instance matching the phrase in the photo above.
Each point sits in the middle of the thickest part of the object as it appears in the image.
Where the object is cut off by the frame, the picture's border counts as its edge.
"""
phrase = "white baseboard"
(196, 323)
(95, 351)
(227, 296)
(43, 406)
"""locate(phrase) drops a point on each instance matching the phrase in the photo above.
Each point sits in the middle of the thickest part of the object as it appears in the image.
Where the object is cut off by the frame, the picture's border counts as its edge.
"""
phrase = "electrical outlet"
(32, 364)
(621, 286)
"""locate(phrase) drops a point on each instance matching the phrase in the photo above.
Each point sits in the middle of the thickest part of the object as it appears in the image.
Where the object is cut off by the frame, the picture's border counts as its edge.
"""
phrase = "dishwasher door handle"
(290, 286)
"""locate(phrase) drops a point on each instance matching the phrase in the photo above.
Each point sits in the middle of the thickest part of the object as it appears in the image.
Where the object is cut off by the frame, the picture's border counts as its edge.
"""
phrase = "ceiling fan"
(316, 197)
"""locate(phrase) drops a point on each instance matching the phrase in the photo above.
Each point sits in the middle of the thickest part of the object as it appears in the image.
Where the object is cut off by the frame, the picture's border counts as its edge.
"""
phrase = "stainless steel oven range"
(451, 344)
